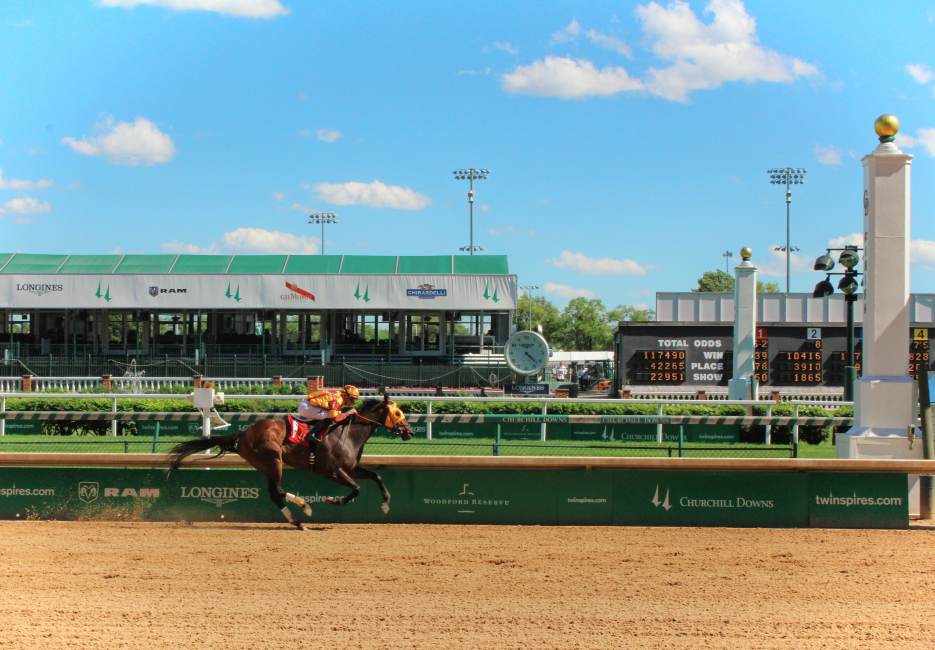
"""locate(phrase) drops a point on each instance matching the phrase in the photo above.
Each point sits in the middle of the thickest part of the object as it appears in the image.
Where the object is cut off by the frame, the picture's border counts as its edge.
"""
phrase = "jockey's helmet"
(351, 391)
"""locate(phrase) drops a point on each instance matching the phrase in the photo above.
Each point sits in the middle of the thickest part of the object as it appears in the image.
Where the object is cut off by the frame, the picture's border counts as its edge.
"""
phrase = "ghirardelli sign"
(39, 288)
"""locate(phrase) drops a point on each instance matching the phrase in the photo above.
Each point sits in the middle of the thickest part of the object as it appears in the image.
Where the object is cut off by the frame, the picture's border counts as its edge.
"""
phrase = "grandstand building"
(285, 309)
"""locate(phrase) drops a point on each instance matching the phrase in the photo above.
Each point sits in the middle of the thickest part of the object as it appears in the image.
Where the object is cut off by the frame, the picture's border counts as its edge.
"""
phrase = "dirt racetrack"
(144, 585)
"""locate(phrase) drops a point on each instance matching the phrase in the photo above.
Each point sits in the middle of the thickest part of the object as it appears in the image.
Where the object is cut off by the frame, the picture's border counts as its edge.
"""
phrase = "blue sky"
(628, 143)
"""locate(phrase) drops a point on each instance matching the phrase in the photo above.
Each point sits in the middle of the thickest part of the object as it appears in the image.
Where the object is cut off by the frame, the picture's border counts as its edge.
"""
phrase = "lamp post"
(528, 288)
(727, 255)
(848, 285)
(787, 176)
(470, 175)
(322, 218)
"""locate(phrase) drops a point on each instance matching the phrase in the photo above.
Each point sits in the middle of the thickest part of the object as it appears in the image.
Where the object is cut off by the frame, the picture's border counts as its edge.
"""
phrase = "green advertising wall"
(474, 496)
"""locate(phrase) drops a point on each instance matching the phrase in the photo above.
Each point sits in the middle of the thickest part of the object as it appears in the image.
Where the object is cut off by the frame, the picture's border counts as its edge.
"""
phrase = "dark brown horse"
(265, 445)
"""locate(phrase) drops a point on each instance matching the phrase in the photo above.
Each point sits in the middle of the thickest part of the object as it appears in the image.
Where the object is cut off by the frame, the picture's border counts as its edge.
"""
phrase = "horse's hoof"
(385, 507)
(298, 524)
(332, 500)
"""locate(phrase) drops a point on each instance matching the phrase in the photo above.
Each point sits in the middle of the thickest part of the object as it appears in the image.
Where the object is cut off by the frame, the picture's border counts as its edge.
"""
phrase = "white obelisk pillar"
(743, 385)
(883, 408)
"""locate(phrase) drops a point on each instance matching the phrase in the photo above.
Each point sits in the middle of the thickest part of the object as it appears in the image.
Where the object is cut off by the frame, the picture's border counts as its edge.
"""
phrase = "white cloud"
(828, 154)
(132, 144)
(325, 135)
(705, 56)
(556, 76)
(298, 207)
(925, 138)
(597, 266)
(775, 263)
(24, 205)
(609, 42)
(567, 292)
(569, 33)
(853, 239)
(22, 184)
(921, 73)
(374, 194)
(279, 196)
(922, 251)
(239, 8)
(475, 73)
(251, 240)
(691, 55)
(501, 46)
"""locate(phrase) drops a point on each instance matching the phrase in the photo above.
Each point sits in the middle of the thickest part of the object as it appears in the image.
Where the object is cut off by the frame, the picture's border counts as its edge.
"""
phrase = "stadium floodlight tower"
(470, 175)
(322, 218)
(529, 288)
(787, 176)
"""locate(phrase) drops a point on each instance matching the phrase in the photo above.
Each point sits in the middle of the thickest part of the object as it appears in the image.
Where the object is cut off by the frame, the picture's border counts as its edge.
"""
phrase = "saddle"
(300, 428)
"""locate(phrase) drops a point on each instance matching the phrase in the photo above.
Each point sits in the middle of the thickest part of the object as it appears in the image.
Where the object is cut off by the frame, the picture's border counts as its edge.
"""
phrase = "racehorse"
(265, 445)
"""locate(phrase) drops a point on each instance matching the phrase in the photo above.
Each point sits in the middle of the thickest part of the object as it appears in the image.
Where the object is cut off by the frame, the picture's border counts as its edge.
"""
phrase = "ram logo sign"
(90, 491)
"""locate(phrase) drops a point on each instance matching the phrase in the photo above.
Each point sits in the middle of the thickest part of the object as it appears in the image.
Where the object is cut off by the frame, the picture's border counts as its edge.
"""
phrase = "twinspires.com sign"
(547, 497)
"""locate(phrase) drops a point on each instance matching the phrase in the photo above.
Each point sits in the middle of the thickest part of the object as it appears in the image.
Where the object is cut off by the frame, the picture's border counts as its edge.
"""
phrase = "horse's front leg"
(361, 472)
(280, 497)
(342, 477)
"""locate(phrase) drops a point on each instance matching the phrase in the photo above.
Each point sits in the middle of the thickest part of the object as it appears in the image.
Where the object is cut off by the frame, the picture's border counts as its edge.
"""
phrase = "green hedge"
(753, 434)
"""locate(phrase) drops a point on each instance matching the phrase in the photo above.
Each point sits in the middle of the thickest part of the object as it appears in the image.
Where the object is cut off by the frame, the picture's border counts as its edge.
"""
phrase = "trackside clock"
(526, 352)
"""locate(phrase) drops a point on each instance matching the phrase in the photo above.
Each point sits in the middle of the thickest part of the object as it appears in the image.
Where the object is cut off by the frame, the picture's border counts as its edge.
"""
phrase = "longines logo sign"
(39, 288)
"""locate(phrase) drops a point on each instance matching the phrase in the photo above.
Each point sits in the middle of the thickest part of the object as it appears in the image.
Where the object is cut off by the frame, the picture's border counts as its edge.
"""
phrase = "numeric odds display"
(784, 355)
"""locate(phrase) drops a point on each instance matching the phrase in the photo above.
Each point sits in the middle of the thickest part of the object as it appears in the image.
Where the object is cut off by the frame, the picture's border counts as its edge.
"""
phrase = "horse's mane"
(371, 403)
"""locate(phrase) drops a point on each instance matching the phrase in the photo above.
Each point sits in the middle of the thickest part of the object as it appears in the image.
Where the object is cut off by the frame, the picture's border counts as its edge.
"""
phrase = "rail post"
(795, 430)
(156, 437)
(768, 429)
(428, 420)
(2, 416)
(543, 426)
(681, 438)
(496, 442)
(659, 426)
(113, 423)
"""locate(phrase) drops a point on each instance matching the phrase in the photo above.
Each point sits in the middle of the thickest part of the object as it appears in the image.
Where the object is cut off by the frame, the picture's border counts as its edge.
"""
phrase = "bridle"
(392, 427)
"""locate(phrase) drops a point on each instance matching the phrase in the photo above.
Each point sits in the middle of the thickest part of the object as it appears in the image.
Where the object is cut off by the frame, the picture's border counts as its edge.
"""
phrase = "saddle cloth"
(298, 429)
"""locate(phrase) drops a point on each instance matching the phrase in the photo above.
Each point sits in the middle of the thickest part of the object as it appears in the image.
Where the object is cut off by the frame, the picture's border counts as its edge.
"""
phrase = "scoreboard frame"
(786, 355)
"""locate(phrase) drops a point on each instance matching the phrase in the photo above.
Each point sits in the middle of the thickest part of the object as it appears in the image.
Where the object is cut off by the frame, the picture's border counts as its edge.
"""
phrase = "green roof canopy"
(27, 264)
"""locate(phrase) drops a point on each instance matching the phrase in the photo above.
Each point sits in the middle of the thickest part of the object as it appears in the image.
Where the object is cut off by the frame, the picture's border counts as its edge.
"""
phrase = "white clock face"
(527, 352)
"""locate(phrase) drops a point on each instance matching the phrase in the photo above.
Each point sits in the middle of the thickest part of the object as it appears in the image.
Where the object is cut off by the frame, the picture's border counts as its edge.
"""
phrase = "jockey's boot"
(312, 448)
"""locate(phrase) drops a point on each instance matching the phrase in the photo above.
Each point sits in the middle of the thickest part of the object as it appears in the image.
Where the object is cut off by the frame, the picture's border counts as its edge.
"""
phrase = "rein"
(372, 421)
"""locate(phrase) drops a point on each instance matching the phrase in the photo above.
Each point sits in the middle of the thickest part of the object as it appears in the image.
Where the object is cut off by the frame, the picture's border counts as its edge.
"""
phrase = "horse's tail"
(184, 449)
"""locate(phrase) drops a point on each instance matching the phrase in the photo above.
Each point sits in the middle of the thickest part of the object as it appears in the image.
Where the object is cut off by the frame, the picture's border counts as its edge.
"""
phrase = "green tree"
(543, 313)
(715, 282)
(766, 287)
(721, 282)
(629, 312)
(584, 326)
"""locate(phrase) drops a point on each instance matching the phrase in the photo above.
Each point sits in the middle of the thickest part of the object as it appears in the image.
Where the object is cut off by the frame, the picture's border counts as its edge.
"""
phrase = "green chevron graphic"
(105, 295)
(366, 295)
(235, 295)
(495, 296)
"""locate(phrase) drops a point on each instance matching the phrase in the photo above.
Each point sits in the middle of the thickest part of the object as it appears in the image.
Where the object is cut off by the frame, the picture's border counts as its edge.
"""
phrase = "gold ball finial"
(886, 126)
(746, 253)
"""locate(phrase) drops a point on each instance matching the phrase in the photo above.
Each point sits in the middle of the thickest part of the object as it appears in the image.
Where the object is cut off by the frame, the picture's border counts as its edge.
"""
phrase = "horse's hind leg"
(361, 472)
(342, 477)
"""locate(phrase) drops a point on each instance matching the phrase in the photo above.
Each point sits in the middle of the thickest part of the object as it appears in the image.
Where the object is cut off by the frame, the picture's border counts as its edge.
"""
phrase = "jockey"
(326, 406)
